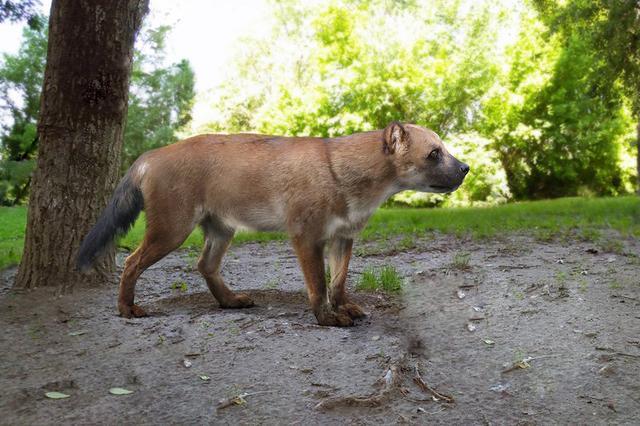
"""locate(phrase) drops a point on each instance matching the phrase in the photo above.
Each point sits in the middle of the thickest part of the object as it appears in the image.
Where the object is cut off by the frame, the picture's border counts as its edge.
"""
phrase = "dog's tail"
(116, 220)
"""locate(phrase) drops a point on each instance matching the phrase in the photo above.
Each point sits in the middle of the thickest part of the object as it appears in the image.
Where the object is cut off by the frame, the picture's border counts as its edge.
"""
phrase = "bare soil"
(515, 330)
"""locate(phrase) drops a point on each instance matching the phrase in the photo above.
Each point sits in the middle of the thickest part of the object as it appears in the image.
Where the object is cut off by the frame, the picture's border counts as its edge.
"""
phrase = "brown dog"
(320, 191)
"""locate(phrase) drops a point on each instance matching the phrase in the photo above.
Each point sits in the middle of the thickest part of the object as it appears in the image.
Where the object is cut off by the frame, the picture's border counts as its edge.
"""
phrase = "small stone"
(607, 371)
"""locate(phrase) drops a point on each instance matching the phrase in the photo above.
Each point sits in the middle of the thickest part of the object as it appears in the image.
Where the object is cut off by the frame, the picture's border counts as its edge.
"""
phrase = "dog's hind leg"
(310, 256)
(157, 243)
(339, 257)
(217, 240)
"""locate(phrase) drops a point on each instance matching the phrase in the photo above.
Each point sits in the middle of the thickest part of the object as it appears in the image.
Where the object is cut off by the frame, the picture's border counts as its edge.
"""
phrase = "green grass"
(548, 216)
(461, 260)
(544, 219)
(12, 224)
(385, 279)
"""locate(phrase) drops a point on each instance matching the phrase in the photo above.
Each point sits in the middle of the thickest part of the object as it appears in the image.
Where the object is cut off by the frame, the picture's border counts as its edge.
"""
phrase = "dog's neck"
(363, 171)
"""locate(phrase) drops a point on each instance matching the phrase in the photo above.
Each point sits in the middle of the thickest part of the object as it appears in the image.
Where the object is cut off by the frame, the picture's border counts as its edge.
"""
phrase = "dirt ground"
(515, 330)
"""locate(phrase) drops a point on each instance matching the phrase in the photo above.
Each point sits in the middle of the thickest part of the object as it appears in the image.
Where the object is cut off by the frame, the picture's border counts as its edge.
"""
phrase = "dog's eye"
(435, 154)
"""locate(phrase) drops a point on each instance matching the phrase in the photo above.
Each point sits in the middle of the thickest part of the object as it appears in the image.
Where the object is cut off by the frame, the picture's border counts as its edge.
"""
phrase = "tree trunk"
(82, 116)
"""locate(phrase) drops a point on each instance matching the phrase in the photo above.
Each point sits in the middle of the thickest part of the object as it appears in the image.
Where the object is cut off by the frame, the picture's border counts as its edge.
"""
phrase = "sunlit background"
(527, 102)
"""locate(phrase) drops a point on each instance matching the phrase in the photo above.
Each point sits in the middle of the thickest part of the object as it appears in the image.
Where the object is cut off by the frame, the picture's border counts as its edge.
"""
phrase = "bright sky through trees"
(204, 32)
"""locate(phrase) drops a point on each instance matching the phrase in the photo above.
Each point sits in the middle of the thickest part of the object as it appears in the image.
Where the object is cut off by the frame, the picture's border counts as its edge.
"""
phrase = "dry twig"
(426, 388)
(389, 382)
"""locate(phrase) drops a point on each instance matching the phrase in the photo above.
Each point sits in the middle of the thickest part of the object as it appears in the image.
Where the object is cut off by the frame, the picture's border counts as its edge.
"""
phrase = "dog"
(321, 191)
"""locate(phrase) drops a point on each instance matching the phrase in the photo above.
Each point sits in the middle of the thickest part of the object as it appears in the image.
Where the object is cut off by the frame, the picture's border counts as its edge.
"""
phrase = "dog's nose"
(464, 168)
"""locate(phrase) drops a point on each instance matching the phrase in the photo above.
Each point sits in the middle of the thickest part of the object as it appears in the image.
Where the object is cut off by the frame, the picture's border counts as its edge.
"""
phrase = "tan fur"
(320, 191)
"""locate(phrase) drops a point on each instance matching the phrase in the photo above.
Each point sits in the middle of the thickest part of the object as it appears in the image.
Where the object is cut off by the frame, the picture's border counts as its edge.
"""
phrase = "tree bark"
(82, 116)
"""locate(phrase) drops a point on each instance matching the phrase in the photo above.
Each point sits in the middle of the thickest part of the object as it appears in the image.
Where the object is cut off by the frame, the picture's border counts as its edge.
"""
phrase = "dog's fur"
(320, 191)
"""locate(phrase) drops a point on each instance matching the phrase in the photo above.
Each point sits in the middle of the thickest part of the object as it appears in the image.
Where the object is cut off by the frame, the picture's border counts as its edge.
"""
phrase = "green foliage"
(555, 132)
(160, 101)
(345, 66)
(160, 98)
(536, 111)
(610, 31)
(20, 84)
(14, 11)
(385, 278)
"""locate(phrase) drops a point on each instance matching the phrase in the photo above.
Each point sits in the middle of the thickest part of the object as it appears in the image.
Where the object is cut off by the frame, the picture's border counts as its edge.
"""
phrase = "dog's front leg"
(339, 257)
(310, 256)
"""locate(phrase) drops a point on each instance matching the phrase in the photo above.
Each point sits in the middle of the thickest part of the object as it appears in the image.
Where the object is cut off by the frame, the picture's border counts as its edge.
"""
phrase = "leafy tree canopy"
(160, 102)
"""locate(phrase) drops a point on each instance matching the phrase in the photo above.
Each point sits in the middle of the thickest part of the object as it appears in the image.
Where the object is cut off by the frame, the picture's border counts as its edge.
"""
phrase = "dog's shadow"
(267, 302)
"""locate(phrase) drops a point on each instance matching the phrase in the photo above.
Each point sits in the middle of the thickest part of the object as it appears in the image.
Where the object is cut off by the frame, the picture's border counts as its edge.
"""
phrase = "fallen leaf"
(78, 333)
(119, 391)
(205, 378)
(489, 342)
(56, 395)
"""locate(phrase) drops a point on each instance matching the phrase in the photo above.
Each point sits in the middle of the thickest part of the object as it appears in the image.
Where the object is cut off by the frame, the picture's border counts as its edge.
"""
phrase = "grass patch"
(546, 219)
(12, 223)
(179, 285)
(461, 261)
(385, 279)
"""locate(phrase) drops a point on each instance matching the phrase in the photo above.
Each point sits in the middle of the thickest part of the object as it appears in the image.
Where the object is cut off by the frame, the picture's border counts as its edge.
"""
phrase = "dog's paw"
(239, 300)
(129, 311)
(354, 311)
(334, 319)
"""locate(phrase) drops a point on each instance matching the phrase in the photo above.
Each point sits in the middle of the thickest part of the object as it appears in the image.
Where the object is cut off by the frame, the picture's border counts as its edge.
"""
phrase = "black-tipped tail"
(116, 220)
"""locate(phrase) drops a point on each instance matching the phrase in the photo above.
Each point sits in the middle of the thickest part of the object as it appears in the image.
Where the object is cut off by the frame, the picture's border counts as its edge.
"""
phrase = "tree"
(345, 66)
(160, 102)
(612, 31)
(81, 127)
(557, 132)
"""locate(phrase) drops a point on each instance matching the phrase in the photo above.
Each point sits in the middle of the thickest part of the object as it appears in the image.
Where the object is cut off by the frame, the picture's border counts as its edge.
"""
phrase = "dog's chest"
(359, 212)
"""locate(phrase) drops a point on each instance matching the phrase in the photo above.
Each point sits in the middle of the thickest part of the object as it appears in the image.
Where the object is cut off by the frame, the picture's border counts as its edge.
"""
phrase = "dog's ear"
(395, 136)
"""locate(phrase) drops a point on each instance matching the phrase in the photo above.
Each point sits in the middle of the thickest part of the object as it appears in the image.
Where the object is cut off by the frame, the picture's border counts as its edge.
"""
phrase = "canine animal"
(321, 191)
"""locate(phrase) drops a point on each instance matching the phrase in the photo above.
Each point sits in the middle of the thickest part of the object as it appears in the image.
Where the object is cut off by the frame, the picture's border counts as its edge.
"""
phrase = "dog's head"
(421, 160)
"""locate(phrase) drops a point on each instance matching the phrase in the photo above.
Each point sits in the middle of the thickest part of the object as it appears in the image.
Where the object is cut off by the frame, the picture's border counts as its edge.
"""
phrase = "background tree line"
(541, 98)
(160, 102)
